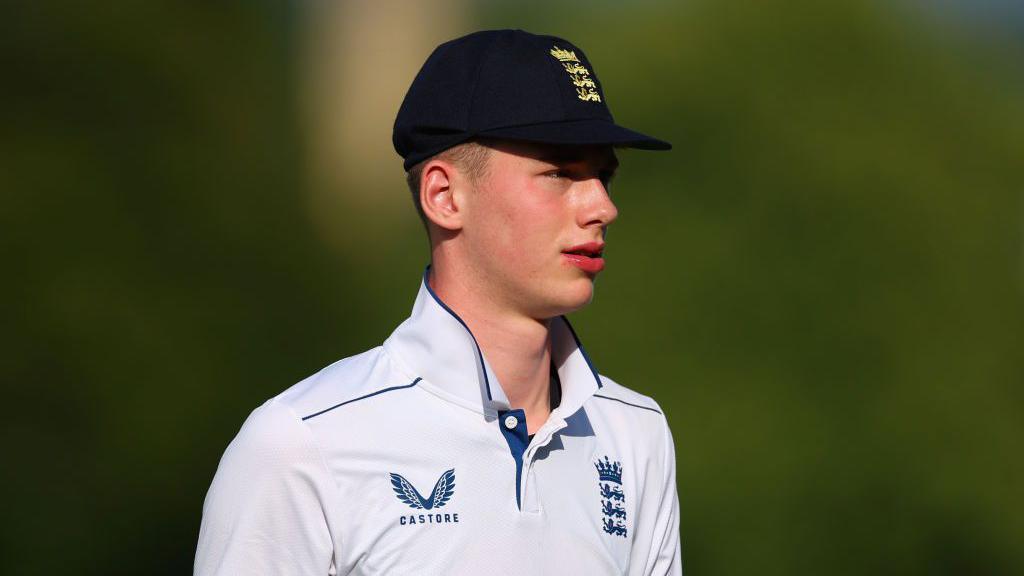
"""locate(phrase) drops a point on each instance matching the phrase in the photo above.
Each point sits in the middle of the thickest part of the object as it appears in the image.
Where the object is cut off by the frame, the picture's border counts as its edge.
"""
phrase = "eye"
(556, 174)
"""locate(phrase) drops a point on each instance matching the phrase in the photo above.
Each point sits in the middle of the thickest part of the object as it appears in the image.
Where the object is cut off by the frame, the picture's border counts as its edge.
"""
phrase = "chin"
(571, 297)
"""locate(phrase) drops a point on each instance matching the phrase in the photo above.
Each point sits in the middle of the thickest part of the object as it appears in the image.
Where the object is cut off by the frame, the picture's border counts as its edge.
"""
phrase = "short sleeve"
(267, 509)
(666, 555)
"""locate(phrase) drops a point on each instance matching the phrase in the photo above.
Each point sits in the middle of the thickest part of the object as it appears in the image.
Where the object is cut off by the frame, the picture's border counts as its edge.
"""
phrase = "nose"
(597, 206)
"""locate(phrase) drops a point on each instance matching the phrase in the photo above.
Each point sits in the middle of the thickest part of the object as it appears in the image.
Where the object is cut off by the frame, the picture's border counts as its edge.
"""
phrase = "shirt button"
(511, 422)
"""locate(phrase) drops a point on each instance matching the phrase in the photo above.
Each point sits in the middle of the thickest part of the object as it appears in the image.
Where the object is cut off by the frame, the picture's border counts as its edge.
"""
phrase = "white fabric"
(318, 479)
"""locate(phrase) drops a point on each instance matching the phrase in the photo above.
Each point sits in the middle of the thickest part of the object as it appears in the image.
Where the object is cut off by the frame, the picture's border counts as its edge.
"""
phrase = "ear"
(441, 194)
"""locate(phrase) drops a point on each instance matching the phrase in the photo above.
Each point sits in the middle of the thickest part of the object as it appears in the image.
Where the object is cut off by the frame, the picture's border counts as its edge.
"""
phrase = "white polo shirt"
(408, 459)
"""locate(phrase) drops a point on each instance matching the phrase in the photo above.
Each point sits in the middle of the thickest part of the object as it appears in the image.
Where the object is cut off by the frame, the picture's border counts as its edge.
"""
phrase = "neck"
(517, 347)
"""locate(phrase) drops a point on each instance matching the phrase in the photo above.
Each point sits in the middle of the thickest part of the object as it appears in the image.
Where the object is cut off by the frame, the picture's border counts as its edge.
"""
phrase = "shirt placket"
(531, 499)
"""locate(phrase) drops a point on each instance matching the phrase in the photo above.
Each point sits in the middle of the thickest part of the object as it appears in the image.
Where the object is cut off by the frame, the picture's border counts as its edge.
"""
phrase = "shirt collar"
(438, 347)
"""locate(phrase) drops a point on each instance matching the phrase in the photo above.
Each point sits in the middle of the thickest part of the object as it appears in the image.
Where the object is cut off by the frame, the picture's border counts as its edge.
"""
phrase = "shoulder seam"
(363, 397)
(655, 410)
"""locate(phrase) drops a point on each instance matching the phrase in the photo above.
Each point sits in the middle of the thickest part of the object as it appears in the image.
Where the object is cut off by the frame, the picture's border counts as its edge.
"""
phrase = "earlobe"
(437, 195)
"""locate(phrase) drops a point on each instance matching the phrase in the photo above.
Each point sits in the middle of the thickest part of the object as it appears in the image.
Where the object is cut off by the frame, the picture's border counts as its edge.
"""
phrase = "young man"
(479, 438)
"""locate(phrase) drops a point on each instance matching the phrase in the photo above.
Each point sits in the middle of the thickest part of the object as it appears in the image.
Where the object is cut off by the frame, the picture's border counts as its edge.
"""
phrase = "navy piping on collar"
(629, 403)
(584, 352)
(409, 385)
(483, 367)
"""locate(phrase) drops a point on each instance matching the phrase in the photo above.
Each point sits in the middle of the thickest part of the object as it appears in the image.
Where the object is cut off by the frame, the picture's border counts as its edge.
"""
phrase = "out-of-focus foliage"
(821, 284)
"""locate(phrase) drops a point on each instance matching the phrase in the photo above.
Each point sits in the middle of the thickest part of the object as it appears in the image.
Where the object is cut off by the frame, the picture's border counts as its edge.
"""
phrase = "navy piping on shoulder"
(483, 367)
(409, 385)
(629, 403)
(584, 352)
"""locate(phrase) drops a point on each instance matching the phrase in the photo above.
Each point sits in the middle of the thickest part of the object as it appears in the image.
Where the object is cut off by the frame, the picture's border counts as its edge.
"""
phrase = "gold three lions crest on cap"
(586, 89)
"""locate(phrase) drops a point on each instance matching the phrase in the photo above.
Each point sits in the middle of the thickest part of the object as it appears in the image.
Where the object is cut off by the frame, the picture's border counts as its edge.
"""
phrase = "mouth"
(586, 257)
(590, 250)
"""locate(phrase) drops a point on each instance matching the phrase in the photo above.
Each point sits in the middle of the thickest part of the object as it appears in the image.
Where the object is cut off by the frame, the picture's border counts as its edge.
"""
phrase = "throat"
(539, 414)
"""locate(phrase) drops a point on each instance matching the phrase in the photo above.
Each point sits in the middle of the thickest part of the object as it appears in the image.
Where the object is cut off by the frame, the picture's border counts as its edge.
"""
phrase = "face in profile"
(535, 224)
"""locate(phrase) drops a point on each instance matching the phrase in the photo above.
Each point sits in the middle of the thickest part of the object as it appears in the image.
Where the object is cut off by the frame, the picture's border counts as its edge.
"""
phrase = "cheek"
(523, 224)
(530, 229)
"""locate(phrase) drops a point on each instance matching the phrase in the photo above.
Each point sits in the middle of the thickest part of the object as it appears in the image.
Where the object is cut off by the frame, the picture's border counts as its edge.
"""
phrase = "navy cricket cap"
(507, 84)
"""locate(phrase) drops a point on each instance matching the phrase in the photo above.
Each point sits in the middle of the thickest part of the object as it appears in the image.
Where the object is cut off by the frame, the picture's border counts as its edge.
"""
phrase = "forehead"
(597, 155)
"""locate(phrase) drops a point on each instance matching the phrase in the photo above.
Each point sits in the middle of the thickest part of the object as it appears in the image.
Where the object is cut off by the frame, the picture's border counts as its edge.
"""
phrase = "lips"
(586, 257)
(590, 249)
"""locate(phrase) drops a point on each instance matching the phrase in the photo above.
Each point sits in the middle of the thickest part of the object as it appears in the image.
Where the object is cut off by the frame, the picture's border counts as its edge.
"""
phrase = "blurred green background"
(821, 284)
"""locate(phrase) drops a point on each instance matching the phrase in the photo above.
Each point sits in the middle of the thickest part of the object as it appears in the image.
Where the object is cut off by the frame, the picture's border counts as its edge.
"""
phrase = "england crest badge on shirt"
(613, 498)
